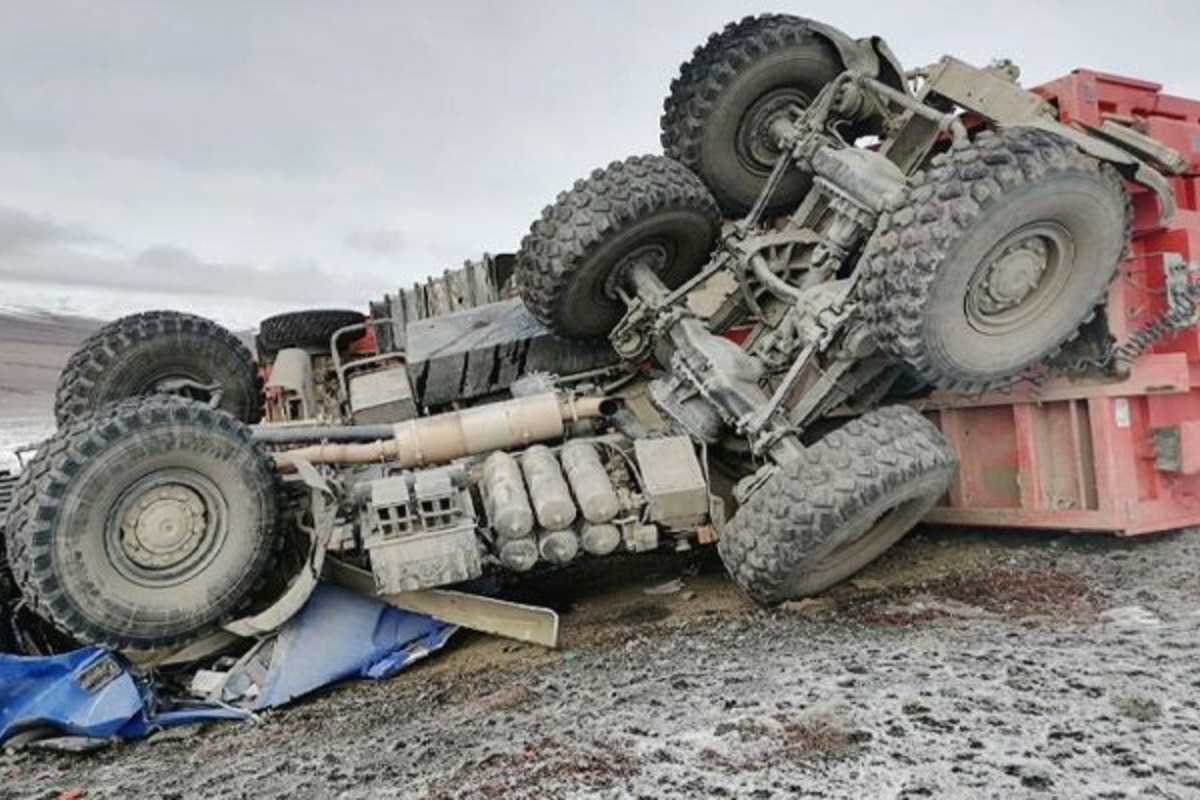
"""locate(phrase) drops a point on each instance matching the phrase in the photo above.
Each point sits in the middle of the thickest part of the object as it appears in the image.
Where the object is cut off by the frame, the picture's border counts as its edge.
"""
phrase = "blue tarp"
(95, 693)
(339, 635)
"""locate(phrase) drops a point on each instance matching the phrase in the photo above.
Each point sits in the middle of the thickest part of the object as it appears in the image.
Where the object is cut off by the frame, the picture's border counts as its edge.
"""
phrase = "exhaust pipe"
(439, 439)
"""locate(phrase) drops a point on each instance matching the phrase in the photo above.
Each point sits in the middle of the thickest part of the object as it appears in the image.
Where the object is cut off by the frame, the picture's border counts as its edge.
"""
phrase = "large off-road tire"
(159, 352)
(307, 329)
(646, 209)
(717, 116)
(850, 497)
(994, 258)
(145, 526)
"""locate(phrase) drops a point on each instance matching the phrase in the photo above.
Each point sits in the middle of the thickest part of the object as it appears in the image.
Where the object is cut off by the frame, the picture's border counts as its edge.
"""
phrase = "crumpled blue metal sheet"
(89, 693)
(93, 692)
(339, 635)
(85, 693)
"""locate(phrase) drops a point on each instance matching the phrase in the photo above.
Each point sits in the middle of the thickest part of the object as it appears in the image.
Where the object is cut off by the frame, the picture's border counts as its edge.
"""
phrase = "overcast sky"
(238, 158)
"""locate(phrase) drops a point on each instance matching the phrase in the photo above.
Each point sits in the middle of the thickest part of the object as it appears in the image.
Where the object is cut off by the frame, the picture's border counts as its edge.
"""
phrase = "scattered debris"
(506, 698)
(89, 694)
(868, 584)
(1009, 593)
(652, 711)
(548, 762)
(1131, 617)
(810, 606)
(817, 735)
(670, 587)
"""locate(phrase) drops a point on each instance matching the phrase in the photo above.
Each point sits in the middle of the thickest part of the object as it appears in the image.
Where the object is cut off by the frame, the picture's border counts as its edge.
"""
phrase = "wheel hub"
(1021, 278)
(1014, 275)
(653, 255)
(210, 393)
(757, 142)
(164, 527)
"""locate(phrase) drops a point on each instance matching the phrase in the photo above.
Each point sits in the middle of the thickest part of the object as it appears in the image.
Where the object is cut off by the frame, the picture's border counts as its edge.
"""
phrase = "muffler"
(442, 438)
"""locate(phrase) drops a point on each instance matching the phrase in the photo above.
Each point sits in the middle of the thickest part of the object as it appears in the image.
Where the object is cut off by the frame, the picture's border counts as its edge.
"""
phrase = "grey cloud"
(37, 251)
(376, 241)
(21, 232)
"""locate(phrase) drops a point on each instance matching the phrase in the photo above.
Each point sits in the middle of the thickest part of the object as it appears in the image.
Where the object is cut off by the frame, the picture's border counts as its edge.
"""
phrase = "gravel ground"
(961, 665)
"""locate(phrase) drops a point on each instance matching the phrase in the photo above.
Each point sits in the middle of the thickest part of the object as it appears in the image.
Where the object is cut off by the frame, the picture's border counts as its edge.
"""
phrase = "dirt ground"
(962, 665)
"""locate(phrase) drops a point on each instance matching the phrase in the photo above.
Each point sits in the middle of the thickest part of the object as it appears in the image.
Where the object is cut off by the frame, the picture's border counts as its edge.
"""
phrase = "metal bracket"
(324, 509)
(341, 368)
(485, 614)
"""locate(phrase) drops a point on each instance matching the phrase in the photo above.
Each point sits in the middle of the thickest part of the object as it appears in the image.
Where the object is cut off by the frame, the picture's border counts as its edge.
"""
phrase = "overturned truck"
(712, 345)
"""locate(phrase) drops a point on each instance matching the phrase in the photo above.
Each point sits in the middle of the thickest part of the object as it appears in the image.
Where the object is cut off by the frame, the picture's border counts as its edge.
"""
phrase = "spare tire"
(145, 526)
(717, 117)
(160, 352)
(307, 329)
(645, 209)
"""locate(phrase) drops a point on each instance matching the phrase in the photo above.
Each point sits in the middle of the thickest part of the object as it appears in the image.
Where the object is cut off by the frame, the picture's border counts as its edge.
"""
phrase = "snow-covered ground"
(19, 431)
(962, 665)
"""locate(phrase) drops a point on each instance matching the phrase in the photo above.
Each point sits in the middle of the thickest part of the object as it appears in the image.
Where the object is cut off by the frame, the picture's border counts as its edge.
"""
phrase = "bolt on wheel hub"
(166, 528)
(1015, 275)
(1021, 278)
(163, 527)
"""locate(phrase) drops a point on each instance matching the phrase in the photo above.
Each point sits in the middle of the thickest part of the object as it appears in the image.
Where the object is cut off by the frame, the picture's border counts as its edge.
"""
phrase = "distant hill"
(44, 327)
(34, 346)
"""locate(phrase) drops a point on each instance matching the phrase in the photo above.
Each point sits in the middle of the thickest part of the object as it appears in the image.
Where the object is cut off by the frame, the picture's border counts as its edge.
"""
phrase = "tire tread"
(582, 218)
(914, 236)
(29, 528)
(74, 396)
(782, 527)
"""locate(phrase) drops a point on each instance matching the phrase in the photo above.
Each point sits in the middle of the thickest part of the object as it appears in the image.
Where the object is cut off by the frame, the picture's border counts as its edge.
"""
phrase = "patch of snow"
(20, 431)
(1131, 617)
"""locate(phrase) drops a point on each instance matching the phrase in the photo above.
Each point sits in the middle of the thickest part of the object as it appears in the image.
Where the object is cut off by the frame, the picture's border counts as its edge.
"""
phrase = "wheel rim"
(754, 141)
(166, 528)
(1020, 277)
